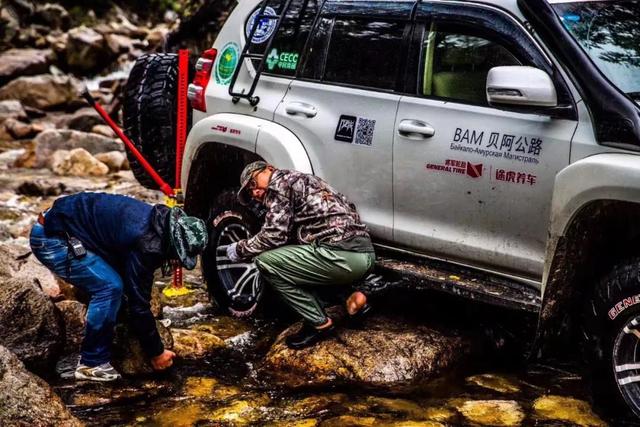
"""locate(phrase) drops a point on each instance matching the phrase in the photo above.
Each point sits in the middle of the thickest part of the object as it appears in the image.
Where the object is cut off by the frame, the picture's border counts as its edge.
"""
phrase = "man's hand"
(163, 360)
(232, 253)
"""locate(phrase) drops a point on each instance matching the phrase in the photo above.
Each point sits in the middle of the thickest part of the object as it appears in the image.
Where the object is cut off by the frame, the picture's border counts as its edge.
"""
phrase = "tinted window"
(284, 55)
(456, 61)
(364, 53)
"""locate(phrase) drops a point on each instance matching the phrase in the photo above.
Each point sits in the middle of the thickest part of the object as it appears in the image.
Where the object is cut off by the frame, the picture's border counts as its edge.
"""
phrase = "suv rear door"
(343, 102)
(472, 182)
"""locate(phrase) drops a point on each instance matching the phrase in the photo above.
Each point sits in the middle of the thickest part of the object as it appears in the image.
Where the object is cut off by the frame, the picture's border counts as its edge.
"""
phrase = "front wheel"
(613, 332)
(236, 287)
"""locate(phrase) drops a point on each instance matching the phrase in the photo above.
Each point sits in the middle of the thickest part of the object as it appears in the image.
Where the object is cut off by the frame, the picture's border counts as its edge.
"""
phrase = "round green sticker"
(226, 63)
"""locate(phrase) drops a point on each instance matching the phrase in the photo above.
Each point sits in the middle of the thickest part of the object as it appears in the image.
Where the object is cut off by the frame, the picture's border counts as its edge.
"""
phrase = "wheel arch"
(595, 221)
(219, 146)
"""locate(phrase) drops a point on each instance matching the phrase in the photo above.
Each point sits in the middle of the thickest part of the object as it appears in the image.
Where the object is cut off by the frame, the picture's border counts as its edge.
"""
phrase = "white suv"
(491, 147)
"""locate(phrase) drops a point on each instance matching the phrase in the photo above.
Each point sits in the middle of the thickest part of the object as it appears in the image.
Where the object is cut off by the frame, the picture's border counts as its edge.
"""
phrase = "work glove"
(232, 253)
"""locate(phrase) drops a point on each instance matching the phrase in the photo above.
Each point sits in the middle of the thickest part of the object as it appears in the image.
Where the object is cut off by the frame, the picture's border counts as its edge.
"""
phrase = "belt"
(41, 219)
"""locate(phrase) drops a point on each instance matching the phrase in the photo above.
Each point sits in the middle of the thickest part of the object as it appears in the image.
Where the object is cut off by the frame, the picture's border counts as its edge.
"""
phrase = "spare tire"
(149, 110)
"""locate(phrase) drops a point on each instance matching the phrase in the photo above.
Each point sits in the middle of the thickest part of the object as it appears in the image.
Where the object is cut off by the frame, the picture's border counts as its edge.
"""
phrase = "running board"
(418, 273)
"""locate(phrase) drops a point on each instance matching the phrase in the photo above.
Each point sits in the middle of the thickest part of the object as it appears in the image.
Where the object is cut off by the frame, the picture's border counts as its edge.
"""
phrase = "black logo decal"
(346, 128)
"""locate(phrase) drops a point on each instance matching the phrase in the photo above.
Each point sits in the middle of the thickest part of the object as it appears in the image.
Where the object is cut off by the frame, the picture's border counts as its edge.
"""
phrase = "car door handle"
(296, 108)
(416, 129)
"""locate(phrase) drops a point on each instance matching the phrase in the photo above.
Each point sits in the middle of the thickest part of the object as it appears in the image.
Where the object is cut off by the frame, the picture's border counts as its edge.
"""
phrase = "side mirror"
(520, 85)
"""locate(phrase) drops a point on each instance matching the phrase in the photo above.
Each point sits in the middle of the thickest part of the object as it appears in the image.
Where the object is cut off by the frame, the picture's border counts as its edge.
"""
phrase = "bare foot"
(355, 302)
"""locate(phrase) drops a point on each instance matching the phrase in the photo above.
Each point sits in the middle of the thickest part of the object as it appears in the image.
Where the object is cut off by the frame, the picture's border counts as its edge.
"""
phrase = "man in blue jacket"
(109, 246)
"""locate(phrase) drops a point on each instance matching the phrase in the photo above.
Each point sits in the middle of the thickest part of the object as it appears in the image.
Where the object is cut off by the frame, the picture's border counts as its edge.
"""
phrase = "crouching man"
(109, 246)
(333, 246)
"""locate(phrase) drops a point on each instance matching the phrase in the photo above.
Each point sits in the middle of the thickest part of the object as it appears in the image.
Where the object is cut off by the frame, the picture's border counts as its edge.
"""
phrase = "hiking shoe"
(104, 372)
(307, 336)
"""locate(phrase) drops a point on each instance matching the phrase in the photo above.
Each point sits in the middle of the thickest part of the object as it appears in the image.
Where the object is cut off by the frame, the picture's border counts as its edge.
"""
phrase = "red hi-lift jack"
(173, 196)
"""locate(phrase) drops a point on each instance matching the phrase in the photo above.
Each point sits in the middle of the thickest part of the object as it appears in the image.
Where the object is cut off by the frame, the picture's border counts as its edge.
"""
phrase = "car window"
(361, 52)
(284, 54)
(456, 61)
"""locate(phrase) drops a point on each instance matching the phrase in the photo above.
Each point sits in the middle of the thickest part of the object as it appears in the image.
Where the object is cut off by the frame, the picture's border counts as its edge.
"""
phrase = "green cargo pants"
(294, 269)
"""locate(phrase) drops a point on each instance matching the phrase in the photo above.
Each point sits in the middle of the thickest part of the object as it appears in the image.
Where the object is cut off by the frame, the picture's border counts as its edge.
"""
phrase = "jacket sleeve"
(138, 280)
(277, 224)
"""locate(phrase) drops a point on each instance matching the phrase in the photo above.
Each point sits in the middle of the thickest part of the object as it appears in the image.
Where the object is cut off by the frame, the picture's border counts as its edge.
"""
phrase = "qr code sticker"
(364, 131)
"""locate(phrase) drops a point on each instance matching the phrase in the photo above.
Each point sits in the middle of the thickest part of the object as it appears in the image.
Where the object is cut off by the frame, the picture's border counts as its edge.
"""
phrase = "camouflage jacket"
(302, 209)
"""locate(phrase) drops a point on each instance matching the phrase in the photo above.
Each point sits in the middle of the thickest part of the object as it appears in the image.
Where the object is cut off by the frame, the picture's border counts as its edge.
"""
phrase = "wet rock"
(115, 160)
(43, 91)
(492, 412)
(388, 353)
(209, 389)
(314, 405)
(24, 62)
(53, 15)
(77, 162)
(29, 325)
(194, 343)
(88, 395)
(83, 120)
(18, 129)
(86, 49)
(349, 420)
(74, 315)
(240, 412)
(26, 399)
(567, 409)
(128, 357)
(34, 113)
(103, 130)
(11, 109)
(9, 26)
(494, 382)
(157, 35)
(41, 188)
(51, 140)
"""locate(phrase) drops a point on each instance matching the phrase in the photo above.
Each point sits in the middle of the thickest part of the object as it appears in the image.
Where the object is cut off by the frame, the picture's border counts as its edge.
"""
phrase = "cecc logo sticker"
(266, 26)
(226, 63)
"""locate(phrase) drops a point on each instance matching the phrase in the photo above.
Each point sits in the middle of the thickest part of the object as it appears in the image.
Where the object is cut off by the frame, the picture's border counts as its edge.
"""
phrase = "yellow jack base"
(170, 291)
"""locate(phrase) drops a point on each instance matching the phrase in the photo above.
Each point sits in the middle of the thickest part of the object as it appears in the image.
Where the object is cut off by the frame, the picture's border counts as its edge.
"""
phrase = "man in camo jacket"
(312, 236)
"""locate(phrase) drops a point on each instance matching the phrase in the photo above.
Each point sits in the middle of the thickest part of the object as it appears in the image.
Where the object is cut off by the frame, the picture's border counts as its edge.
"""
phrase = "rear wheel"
(613, 337)
(236, 287)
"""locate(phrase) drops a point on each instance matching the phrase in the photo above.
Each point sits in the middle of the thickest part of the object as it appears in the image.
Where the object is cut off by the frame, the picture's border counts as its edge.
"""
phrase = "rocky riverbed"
(420, 360)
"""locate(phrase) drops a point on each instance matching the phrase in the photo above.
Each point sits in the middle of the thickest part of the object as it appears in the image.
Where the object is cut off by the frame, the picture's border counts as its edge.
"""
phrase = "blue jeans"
(94, 276)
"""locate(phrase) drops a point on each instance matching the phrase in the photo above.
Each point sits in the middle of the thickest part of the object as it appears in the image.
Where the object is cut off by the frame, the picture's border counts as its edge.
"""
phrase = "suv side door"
(343, 102)
(473, 182)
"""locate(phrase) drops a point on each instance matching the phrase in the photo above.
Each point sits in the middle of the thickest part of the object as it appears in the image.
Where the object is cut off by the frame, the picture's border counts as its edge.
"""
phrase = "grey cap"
(188, 236)
(245, 178)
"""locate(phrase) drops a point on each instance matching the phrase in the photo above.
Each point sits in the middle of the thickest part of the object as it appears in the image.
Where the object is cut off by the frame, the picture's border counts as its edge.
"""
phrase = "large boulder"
(77, 162)
(387, 354)
(83, 120)
(42, 91)
(19, 263)
(29, 325)
(115, 160)
(24, 62)
(53, 15)
(86, 49)
(26, 400)
(11, 109)
(47, 142)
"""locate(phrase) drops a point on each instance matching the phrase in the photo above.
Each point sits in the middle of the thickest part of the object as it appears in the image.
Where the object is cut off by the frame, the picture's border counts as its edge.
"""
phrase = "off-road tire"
(607, 345)
(228, 216)
(149, 115)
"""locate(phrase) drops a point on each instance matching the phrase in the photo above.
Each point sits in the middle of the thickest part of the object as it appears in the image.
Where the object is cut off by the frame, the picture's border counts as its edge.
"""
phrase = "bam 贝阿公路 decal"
(265, 28)
(357, 130)
(282, 60)
(525, 149)
(226, 63)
